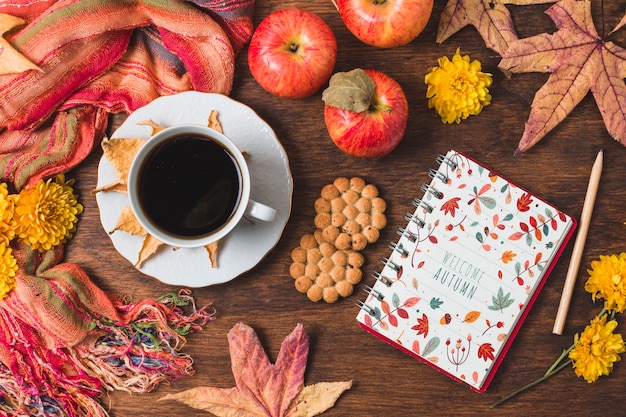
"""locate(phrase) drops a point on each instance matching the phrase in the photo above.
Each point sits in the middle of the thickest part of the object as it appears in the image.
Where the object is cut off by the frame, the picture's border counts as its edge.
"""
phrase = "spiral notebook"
(465, 270)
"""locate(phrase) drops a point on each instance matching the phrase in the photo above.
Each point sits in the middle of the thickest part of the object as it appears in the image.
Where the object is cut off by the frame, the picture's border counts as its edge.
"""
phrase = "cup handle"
(260, 211)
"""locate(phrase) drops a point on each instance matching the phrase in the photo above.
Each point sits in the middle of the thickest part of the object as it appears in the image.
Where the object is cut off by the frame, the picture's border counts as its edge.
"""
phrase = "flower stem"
(555, 368)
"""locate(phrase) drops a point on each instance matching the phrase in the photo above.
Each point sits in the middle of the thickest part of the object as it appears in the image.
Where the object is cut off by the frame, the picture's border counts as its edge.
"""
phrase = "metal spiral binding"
(390, 264)
(411, 236)
(398, 248)
(420, 203)
(369, 310)
(374, 293)
(430, 189)
(441, 159)
(382, 278)
(411, 217)
(433, 173)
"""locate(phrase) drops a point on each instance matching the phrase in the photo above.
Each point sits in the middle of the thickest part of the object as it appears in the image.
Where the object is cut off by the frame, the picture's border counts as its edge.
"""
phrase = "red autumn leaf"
(422, 326)
(578, 61)
(523, 203)
(450, 206)
(393, 320)
(485, 351)
(263, 389)
(402, 313)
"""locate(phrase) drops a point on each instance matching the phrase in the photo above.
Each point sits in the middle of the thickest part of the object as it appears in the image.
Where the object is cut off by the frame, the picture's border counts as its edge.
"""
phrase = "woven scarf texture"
(63, 341)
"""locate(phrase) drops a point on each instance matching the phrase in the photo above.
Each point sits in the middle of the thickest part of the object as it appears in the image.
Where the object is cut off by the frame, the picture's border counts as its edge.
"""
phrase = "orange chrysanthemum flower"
(47, 213)
(457, 88)
(8, 269)
(607, 280)
(7, 222)
(596, 349)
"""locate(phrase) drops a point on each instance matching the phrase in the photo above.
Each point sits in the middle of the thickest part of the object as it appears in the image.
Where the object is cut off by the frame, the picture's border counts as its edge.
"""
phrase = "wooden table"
(386, 381)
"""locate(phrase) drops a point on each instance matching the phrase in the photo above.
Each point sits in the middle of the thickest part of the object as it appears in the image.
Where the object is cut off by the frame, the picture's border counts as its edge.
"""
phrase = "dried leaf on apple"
(352, 90)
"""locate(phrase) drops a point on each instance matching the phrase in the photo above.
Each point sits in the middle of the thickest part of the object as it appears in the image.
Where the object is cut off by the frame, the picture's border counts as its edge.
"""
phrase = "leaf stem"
(553, 370)
(556, 367)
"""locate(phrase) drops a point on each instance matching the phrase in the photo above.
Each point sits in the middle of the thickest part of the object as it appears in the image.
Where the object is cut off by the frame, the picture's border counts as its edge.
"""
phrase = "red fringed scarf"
(106, 56)
(62, 340)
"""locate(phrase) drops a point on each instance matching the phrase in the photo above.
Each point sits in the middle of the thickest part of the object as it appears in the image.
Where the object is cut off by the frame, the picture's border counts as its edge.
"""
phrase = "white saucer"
(272, 184)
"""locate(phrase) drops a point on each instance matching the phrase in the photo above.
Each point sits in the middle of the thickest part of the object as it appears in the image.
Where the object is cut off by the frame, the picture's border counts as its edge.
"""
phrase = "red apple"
(292, 53)
(374, 131)
(385, 23)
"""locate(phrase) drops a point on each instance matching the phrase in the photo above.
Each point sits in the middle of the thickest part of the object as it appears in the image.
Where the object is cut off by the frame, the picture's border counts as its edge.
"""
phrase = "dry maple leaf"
(120, 153)
(264, 389)
(579, 60)
(11, 61)
(490, 17)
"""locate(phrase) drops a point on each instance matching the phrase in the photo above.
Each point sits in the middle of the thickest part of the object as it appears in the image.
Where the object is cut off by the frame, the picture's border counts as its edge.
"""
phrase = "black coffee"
(189, 186)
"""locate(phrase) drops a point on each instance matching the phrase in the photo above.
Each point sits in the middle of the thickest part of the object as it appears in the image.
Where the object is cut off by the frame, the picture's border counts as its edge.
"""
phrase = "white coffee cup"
(189, 186)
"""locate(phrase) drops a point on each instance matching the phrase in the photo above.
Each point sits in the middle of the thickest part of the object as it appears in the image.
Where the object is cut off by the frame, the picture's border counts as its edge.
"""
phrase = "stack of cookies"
(327, 263)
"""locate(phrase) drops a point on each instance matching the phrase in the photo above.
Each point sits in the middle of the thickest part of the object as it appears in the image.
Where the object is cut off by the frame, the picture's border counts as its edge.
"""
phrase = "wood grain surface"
(386, 381)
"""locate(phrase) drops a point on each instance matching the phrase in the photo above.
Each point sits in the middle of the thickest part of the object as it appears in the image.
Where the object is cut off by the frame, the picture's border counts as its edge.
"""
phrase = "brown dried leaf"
(490, 17)
(264, 389)
(156, 128)
(211, 248)
(120, 153)
(620, 25)
(148, 248)
(214, 122)
(579, 61)
(127, 222)
(11, 61)
(315, 399)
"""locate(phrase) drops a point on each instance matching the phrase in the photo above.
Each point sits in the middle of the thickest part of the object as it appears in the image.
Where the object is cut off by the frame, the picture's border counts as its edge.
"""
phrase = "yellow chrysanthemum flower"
(607, 280)
(457, 88)
(8, 269)
(596, 349)
(7, 222)
(47, 213)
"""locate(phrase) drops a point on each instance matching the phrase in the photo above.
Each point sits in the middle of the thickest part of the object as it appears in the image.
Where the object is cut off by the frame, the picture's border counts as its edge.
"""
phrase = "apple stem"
(335, 4)
(382, 107)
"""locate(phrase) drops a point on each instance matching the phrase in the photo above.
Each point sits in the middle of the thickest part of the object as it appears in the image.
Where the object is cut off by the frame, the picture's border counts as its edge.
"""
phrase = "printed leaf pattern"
(485, 351)
(263, 389)
(472, 289)
(501, 301)
(578, 61)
